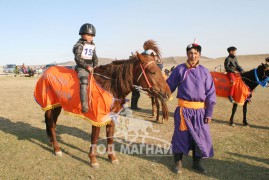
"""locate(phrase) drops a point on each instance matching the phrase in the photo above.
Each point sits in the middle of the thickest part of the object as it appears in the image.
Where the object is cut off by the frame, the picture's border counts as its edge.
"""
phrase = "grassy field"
(240, 152)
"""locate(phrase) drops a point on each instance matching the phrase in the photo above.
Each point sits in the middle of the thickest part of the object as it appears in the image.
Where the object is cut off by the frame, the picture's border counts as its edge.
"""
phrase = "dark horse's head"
(262, 72)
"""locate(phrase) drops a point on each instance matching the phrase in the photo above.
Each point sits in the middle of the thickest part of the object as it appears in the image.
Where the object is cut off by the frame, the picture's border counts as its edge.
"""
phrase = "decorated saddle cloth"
(223, 86)
(59, 86)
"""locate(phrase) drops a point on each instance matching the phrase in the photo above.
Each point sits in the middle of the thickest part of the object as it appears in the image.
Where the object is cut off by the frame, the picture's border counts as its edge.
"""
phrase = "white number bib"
(87, 51)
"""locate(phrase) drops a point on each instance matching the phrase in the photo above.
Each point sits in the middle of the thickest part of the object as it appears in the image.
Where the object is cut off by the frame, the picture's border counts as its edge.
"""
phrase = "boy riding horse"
(232, 67)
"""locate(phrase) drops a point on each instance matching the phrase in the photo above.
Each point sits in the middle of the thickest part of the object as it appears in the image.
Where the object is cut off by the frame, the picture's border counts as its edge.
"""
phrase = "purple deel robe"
(194, 84)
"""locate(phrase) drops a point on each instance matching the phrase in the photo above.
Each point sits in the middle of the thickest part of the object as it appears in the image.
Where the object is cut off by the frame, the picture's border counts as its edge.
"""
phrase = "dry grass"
(240, 152)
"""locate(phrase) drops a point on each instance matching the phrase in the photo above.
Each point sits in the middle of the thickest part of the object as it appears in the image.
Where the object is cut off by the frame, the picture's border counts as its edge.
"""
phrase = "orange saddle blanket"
(223, 85)
(59, 86)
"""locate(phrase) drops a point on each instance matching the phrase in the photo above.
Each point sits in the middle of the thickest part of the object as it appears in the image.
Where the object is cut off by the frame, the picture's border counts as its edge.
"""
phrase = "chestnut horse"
(252, 78)
(118, 78)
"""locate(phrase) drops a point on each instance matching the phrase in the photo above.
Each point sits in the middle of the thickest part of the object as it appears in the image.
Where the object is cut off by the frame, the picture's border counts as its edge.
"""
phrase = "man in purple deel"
(196, 99)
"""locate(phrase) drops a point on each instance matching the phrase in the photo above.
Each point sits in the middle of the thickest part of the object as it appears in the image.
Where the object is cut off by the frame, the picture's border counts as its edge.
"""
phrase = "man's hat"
(194, 45)
(232, 48)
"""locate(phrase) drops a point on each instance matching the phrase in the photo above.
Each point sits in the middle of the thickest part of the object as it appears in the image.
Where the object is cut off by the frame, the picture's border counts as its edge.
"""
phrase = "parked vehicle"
(38, 70)
(70, 67)
(47, 66)
(9, 68)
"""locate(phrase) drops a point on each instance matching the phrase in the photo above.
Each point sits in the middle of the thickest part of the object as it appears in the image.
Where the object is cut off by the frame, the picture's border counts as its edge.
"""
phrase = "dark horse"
(252, 82)
(119, 79)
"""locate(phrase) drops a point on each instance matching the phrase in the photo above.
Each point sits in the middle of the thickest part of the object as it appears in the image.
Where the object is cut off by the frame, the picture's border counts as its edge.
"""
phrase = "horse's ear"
(139, 56)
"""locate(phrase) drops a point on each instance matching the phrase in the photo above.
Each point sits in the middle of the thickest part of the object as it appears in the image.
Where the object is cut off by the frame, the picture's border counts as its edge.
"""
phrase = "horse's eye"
(151, 71)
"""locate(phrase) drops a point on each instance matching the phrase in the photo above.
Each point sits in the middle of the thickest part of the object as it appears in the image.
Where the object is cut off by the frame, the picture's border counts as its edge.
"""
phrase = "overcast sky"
(40, 32)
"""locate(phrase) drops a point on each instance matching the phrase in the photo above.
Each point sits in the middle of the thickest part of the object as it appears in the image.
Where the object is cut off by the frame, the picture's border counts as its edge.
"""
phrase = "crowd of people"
(31, 71)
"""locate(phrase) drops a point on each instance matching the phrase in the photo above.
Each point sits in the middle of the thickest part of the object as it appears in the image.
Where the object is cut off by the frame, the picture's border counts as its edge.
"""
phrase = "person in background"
(196, 99)
(232, 68)
(16, 70)
(85, 56)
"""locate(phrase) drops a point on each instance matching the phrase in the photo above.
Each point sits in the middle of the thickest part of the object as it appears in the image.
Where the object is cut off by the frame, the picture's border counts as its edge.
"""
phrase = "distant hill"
(102, 61)
(171, 61)
(246, 61)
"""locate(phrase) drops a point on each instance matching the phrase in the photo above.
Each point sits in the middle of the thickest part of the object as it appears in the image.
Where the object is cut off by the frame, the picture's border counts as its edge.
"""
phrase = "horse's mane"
(117, 77)
(151, 44)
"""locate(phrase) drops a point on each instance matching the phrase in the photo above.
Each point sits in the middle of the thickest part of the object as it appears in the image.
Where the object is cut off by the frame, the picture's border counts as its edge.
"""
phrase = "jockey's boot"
(178, 162)
(231, 99)
(84, 98)
(197, 165)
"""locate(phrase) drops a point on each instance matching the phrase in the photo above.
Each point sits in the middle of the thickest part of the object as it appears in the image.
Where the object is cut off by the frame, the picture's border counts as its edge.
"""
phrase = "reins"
(150, 89)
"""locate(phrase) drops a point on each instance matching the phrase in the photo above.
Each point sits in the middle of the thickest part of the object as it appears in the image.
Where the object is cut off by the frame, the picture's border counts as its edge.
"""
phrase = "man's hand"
(207, 120)
(89, 68)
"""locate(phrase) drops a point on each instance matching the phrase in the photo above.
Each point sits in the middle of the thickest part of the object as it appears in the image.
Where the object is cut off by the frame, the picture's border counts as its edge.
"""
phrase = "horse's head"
(149, 76)
(266, 69)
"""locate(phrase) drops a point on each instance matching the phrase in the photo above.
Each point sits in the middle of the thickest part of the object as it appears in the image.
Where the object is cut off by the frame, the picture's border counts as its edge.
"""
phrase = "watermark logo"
(137, 136)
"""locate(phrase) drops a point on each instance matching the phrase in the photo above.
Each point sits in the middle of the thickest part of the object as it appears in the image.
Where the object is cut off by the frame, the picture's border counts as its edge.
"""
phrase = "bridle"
(143, 68)
(150, 88)
(264, 82)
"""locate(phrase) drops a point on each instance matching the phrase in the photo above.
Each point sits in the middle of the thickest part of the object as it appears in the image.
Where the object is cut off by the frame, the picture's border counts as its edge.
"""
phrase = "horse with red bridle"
(118, 79)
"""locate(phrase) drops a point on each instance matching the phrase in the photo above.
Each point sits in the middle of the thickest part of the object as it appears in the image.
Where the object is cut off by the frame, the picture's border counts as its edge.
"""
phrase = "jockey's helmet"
(87, 29)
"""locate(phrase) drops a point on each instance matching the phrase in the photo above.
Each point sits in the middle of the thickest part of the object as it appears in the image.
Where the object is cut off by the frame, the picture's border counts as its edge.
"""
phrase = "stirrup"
(85, 109)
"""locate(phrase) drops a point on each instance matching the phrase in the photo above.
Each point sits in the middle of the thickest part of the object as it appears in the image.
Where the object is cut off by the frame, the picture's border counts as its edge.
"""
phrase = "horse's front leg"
(245, 114)
(153, 104)
(232, 116)
(93, 149)
(158, 109)
(51, 119)
(110, 143)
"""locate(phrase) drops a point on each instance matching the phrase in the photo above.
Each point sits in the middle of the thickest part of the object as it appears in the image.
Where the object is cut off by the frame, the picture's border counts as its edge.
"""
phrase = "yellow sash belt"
(187, 104)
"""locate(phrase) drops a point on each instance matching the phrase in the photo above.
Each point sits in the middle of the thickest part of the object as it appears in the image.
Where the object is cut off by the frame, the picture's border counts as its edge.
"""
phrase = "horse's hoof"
(232, 124)
(246, 124)
(94, 163)
(59, 153)
(113, 159)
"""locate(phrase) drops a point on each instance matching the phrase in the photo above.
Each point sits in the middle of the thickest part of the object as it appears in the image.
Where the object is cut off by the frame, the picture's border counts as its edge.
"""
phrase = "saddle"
(60, 87)
(223, 85)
